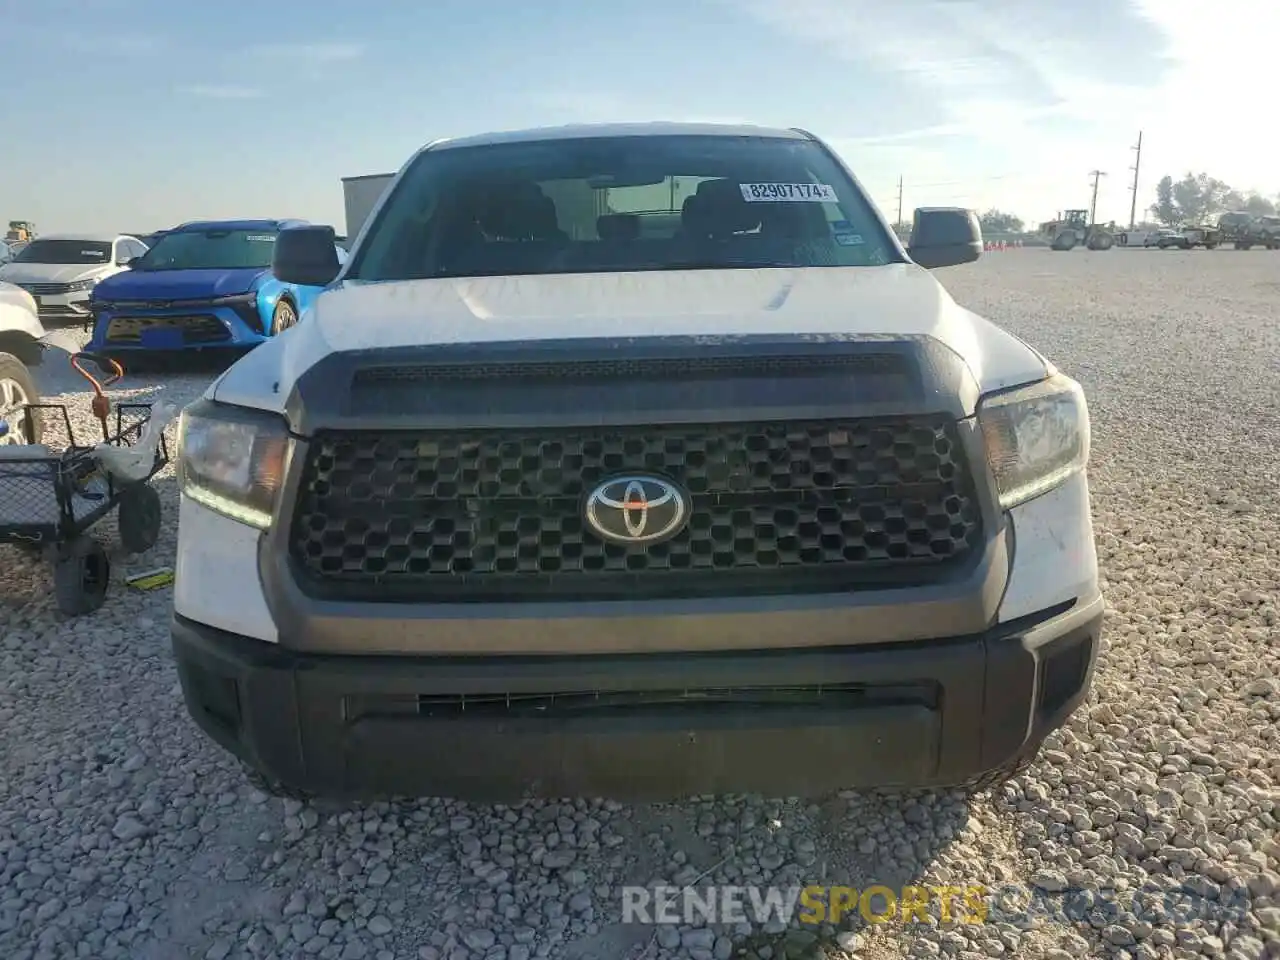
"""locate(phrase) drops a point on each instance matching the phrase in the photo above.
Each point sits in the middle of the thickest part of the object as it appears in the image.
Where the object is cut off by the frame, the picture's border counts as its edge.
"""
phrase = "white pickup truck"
(634, 461)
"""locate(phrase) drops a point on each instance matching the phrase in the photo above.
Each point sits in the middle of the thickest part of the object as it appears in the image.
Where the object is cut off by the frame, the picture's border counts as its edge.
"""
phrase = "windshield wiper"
(723, 265)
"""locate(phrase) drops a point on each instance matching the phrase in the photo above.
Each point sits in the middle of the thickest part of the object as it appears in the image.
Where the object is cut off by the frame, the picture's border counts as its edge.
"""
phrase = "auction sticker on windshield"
(788, 192)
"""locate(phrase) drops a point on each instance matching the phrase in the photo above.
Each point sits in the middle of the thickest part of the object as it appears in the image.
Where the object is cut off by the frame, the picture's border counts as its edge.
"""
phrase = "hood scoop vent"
(682, 368)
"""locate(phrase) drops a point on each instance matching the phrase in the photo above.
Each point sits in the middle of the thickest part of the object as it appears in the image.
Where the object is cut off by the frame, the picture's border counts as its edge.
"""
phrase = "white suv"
(61, 271)
(635, 461)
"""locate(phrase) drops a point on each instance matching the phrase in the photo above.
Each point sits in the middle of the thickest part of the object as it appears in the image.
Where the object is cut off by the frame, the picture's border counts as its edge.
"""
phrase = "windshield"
(65, 251)
(622, 204)
(211, 250)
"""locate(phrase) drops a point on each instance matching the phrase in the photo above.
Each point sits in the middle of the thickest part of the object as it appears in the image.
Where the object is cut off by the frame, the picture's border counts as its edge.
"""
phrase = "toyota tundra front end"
(571, 498)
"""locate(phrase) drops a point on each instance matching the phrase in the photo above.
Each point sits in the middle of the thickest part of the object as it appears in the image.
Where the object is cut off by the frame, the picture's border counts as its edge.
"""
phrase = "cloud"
(310, 53)
(958, 64)
(221, 92)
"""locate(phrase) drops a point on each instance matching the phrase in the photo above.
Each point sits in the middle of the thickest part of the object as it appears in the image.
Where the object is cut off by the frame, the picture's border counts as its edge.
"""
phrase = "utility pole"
(899, 221)
(1093, 205)
(1137, 163)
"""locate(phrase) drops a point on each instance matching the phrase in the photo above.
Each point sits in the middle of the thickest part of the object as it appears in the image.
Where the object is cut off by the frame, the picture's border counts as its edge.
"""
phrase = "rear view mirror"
(944, 237)
(306, 256)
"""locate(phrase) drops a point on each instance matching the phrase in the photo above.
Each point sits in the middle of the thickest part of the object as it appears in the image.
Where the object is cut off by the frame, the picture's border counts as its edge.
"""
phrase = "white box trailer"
(361, 194)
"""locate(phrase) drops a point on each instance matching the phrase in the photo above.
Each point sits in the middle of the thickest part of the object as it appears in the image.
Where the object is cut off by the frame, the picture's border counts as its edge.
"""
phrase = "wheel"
(139, 518)
(993, 778)
(17, 389)
(81, 575)
(1211, 246)
(283, 316)
(271, 786)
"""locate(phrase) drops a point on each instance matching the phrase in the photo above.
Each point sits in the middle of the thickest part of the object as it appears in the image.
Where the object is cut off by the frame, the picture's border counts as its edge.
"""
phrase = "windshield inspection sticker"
(788, 192)
(842, 232)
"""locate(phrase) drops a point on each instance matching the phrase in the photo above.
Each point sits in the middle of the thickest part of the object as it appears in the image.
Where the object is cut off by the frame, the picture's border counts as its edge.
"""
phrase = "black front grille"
(576, 703)
(46, 289)
(195, 329)
(774, 507)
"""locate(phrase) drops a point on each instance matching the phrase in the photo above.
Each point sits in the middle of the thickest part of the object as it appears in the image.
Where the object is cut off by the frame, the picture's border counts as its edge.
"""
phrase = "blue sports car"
(203, 285)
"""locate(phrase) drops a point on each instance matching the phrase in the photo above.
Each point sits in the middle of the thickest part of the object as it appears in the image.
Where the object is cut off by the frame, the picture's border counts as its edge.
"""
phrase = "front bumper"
(197, 327)
(63, 307)
(920, 714)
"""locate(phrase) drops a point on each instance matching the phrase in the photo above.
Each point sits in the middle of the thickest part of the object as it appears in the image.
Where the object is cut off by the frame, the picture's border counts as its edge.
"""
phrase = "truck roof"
(582, 131)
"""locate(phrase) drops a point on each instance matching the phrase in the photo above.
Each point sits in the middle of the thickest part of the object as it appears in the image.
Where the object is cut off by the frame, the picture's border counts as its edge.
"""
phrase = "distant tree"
(1199, 197)
(997, 221)
(1164, 209)
(1259, 205)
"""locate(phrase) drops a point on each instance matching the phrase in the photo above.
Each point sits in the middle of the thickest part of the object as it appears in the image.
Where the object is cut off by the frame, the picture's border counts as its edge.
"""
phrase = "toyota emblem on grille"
(635, 510)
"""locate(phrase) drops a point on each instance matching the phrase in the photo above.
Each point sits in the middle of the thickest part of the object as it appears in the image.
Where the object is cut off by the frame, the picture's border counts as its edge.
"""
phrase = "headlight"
(1035, 437)
(233, 460)
(79, 285)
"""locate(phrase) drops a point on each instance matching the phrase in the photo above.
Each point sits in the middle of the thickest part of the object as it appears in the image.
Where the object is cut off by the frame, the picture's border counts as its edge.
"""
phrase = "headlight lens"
(1035, 437)
(79, 285)
(233, 460)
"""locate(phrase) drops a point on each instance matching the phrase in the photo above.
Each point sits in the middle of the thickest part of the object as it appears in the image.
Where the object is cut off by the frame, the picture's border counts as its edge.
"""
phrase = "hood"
(53, 272)
(897, 299)
(177, 284)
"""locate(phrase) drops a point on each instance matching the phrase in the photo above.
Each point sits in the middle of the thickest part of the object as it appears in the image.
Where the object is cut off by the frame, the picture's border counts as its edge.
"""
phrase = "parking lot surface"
(125, 833)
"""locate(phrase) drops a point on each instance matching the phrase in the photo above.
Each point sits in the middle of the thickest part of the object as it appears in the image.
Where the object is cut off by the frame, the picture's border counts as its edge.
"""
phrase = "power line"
(1137, 162)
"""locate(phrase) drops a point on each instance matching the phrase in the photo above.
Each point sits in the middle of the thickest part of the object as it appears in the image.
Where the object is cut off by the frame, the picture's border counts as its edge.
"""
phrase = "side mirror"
(944, 237)
(305, 256)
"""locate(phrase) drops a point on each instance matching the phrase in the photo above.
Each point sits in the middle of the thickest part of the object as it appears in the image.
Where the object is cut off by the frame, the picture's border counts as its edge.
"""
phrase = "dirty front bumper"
(641, 726)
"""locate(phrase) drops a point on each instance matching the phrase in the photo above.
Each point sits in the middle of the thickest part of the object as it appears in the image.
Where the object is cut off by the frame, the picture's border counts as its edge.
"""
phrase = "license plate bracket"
(161, 338)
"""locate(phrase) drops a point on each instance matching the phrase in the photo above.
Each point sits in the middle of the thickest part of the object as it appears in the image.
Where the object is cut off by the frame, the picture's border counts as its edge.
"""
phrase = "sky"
(133, 115)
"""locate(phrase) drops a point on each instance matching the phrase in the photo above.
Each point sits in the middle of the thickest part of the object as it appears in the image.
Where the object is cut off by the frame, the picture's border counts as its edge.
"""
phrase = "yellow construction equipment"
(20, 231)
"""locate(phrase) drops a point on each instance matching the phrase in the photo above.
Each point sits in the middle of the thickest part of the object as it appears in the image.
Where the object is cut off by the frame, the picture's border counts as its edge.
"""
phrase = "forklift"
(1072, 227)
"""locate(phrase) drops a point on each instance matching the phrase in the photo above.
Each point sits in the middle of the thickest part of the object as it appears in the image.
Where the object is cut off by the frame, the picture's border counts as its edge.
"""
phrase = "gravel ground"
(124, 833)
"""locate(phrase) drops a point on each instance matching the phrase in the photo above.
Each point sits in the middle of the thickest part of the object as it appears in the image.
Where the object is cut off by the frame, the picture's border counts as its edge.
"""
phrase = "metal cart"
(50, 498)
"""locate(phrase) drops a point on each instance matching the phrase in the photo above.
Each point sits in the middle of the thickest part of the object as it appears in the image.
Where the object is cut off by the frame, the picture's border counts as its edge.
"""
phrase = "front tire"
(271, 786)
(284, 316)
(81, 575)
(17, 389)
(1002, 774)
